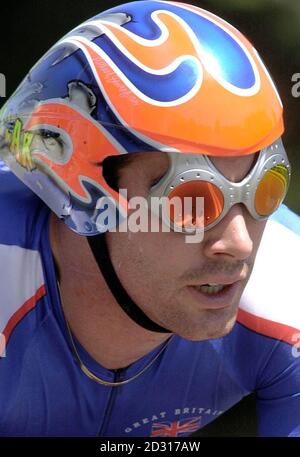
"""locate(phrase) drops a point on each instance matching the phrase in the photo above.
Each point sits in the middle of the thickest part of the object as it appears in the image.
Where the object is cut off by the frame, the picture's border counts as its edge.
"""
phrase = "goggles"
(191, 175)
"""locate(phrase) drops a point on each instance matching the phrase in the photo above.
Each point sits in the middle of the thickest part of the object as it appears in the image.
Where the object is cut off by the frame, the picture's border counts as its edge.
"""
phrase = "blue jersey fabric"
(43, 392)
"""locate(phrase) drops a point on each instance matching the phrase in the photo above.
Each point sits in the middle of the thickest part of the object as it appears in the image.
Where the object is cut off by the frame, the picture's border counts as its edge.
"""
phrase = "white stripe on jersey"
(21, 276)
(272, 292)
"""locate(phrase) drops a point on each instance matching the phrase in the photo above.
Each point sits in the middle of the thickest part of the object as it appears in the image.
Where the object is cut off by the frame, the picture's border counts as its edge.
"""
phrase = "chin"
(213, 326)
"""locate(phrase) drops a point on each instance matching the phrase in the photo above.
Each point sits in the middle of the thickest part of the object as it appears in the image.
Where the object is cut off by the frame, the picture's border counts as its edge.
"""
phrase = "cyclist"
(110, 327)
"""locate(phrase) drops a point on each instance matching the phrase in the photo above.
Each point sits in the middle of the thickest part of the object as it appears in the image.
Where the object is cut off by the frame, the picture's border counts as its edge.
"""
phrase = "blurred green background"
(29, 28)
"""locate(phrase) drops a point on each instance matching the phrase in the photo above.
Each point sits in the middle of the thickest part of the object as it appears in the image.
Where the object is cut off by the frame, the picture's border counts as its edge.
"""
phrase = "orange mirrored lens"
(189, 213)
(271, 190)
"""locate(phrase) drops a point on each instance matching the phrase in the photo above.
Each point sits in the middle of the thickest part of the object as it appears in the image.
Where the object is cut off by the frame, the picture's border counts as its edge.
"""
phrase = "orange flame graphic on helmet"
(89, 146)
(214, 120)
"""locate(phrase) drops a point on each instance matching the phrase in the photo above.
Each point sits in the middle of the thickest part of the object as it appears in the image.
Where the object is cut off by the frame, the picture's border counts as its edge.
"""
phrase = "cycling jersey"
(43, 391)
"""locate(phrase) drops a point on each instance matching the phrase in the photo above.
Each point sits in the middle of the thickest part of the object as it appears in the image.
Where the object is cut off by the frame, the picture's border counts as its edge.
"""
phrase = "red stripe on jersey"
(21, 312)
(266, 327)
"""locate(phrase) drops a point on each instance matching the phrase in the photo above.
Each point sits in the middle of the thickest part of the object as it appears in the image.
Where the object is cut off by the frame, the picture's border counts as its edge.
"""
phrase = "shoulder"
(20, 210)
(270, 303)
(22, 284)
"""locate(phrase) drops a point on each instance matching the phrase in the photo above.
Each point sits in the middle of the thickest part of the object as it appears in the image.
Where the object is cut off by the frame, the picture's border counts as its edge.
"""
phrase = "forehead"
(233, 168)
(144, 160)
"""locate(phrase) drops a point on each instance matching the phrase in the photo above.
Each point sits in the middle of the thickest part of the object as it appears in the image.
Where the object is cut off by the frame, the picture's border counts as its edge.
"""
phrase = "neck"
(94, 316)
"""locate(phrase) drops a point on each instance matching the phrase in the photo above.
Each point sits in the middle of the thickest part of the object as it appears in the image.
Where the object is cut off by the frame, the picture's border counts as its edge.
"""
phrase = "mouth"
(211, 289)
(215, 295)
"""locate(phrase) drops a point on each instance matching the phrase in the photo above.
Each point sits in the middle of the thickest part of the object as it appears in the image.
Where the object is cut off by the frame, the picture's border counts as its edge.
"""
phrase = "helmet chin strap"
(99, 249)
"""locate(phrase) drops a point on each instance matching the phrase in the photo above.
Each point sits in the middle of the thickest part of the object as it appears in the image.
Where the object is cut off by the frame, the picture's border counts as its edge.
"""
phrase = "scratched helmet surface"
(143, 76)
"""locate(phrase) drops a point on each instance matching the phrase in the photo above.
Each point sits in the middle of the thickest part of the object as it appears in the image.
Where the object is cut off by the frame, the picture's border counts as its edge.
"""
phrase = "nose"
(230, 237)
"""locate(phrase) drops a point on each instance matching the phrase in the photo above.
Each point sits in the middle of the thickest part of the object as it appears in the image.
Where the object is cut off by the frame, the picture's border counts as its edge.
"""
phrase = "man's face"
(162, 273)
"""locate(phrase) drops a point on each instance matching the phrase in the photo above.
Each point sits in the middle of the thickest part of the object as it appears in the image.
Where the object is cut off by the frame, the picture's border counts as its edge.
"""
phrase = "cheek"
(136, 264)
(256, 230)
(148, 264)
(136, 252)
